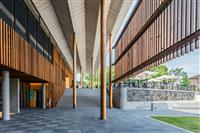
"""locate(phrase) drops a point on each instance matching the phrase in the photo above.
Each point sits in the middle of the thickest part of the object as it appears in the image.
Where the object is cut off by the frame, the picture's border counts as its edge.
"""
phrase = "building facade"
(29, 55)
(195, 81)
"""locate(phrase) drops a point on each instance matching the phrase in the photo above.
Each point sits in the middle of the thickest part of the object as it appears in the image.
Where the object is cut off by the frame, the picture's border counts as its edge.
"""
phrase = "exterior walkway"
(85, 98)
(84, 119)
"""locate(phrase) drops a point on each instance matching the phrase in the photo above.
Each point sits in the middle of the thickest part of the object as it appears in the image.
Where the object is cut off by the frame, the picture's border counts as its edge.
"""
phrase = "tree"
(86, 80)
(178, 72)
(86, 77)
(181, 76)
(185, 81)
(160, 70)
(107, 74)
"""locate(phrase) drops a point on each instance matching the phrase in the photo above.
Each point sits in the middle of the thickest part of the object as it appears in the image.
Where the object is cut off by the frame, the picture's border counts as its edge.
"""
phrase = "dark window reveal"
(46, 45)
(31, 29)
(6, 12)
(39, 38)
(20, 18)
(50, 51)
(26, 25)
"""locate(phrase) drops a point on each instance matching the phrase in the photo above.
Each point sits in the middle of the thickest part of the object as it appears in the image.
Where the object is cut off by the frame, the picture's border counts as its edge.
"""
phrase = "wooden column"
(103, 64)
(92, 73)
(98, 78)
(110, 74)
(81, 78)
(74, 71)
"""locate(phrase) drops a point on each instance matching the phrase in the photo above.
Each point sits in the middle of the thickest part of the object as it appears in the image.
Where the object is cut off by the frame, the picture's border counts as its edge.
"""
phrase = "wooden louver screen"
(159, 31)
(17, 54)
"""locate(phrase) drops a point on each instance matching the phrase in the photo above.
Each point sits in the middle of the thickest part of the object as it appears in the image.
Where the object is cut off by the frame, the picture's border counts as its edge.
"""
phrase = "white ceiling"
(63, 17)
(115, 17)
(77, 10)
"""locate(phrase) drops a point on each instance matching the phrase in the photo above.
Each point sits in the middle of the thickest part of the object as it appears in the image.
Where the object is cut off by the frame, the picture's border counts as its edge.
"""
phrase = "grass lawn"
(189, 123)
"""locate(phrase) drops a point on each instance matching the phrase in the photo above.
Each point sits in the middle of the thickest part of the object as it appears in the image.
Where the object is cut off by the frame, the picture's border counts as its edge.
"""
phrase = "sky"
(189, 62)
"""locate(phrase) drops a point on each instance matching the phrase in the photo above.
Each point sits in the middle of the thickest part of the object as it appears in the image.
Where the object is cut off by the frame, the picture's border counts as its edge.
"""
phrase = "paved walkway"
(85, 98)
(84, 119)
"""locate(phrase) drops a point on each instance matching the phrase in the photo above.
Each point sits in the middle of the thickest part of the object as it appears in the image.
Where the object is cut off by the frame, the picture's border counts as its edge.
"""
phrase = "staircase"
(85, 98)
(186, 105)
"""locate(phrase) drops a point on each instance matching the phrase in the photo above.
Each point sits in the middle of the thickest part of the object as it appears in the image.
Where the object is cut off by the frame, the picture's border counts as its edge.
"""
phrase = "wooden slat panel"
(17, 54)
(173, 24)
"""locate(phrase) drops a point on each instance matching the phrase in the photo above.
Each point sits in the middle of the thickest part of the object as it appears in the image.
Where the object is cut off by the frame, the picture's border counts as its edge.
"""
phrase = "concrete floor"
(85, 119)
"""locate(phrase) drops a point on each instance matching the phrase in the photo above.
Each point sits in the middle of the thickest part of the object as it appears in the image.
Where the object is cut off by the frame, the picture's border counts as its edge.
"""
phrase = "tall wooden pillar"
(103, 64)
(110, 73)
(74, 71)
(92, 73)
(81, 78)
(98, 78)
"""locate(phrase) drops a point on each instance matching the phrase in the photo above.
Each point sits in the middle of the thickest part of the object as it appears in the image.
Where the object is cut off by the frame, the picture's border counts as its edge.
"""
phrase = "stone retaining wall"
(158, 95)
(132, 98)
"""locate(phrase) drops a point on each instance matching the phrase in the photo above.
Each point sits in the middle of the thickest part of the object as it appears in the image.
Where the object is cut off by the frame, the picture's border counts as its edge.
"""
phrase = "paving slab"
(85, 119)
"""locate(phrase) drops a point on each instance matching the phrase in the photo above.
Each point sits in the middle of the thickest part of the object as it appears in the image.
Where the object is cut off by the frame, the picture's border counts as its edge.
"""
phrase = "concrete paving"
(85, 119)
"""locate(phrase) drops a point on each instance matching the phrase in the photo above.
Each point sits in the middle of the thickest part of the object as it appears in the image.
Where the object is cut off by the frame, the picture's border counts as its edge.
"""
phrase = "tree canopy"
(161, 70)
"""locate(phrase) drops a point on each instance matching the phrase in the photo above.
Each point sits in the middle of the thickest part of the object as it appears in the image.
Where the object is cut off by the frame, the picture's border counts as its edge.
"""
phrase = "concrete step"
(85, 98)
(187, 105)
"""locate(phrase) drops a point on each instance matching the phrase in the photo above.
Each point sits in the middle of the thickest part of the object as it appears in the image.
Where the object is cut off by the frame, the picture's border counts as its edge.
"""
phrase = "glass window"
(46, 45)
(46, 42)
(31, 29)
(6, 12)
(50, 51)
(39, 38)
(20, 17)
(27, 26)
